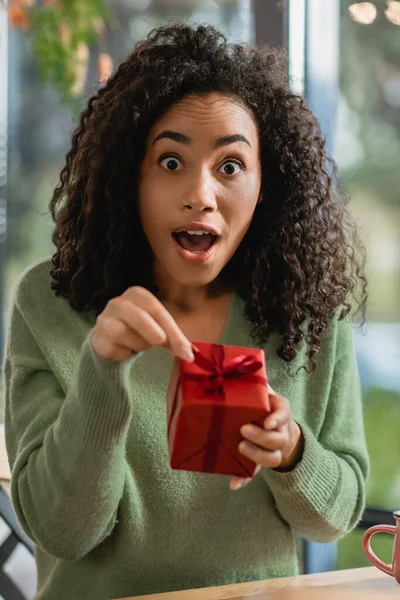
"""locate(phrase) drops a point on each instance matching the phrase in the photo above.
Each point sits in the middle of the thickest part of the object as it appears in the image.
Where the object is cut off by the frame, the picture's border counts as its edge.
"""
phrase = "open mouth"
(196, 242)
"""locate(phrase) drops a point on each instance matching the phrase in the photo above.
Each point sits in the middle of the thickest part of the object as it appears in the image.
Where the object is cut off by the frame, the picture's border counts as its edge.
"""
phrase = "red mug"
(394, 568)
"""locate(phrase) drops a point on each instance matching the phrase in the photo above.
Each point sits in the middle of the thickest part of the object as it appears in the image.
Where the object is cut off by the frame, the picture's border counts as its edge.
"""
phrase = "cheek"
(253, 185)
(150, 204)
(243, 201)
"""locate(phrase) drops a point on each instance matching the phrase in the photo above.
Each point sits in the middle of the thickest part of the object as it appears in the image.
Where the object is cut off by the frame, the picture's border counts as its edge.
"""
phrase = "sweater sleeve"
(323, 497)
(66, 451)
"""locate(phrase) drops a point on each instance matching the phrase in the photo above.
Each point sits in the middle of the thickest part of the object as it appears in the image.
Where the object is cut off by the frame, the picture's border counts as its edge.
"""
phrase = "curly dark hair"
(301, 259)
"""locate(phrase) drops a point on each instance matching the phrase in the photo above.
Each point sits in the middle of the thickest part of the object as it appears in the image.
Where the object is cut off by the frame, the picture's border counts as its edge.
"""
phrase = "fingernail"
(247, 430)
(273, 424)
(242, 447)
(187, 354)
(236, 486)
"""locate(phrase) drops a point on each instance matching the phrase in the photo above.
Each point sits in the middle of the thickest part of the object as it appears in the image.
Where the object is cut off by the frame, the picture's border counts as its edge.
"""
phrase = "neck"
(189, 299)
(182, 298)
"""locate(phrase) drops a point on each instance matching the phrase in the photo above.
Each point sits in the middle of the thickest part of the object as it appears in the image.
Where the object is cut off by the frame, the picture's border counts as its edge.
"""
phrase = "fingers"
(264, 458)
(132, 327)
(240, 482)
(264, 445)
(115, 335)
(163, 320)
(280, 412)
(276, 420)
(109, 351)
(136, 321)
(270, 440)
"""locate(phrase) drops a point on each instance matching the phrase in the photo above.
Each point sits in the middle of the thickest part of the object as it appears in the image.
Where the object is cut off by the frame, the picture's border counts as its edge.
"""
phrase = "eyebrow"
(175, 136)
(230, 139)
(181, 138)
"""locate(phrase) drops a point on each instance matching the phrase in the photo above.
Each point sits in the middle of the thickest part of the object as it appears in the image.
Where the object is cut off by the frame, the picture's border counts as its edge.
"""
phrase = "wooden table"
(354, 584)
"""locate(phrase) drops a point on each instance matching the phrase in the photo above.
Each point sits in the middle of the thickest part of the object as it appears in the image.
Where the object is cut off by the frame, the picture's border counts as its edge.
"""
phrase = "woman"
(195, 205)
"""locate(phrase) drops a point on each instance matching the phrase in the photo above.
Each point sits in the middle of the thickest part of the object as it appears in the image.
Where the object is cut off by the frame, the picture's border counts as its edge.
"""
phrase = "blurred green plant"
(382, 419)
(62, 32)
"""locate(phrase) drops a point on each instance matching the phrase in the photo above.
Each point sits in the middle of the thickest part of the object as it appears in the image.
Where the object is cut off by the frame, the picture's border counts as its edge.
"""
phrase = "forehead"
(213, 115)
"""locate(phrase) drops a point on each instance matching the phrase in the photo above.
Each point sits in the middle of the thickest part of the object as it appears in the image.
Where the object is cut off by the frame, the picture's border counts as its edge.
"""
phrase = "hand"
(134, 322)
(276, 445)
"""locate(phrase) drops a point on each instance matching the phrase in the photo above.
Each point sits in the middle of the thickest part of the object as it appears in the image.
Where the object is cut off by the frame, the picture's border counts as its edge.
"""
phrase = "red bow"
(242, 366)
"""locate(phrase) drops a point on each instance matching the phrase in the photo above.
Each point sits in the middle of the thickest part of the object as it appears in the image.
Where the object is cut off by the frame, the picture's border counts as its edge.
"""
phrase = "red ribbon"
(216, 371)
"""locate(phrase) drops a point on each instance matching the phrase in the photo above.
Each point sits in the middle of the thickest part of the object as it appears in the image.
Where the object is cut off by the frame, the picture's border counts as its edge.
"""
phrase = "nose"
(201, 195)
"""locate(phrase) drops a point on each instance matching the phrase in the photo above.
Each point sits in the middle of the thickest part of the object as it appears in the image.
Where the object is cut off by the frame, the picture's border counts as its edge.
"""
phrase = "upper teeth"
(197, 232)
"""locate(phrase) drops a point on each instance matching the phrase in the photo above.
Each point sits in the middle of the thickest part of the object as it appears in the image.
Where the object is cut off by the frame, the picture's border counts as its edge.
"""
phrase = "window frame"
(3, 166)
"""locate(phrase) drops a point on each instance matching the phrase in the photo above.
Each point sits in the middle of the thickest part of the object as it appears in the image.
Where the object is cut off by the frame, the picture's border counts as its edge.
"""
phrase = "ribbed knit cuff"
(311, 484)
(97, 410)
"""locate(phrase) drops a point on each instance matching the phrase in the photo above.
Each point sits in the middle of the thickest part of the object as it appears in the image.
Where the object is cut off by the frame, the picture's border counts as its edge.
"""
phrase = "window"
(367, 148)
(352, 83)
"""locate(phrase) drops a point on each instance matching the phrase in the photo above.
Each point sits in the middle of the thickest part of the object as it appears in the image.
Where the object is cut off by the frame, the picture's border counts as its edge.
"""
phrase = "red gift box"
(208, 401)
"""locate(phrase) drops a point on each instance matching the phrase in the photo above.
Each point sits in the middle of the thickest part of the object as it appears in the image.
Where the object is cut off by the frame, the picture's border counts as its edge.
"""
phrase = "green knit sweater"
(91, 481)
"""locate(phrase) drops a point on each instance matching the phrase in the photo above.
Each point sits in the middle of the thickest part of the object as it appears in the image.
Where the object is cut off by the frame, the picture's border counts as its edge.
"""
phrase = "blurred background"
(344, 57)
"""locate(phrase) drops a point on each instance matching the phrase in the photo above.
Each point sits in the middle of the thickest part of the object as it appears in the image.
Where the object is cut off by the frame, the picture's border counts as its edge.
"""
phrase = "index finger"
(176, 340)
(280, 412)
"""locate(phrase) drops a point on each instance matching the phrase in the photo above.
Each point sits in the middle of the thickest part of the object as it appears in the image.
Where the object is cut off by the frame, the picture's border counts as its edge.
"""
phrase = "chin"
(193, 275)
(194, 280)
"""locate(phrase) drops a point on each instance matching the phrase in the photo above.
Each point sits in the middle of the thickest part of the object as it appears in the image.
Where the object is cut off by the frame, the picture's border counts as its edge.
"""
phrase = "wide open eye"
(231, 167)
(170, 162)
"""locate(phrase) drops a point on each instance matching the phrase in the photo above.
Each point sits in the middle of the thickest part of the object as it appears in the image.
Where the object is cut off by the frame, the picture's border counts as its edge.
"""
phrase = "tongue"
(195, 243)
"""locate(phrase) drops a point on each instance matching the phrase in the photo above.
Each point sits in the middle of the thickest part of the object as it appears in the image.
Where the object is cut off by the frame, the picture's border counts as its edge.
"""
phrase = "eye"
(231, 167)
(170, 162)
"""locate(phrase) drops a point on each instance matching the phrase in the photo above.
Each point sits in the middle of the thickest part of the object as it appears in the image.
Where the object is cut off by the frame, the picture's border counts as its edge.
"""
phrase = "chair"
(8, 588)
